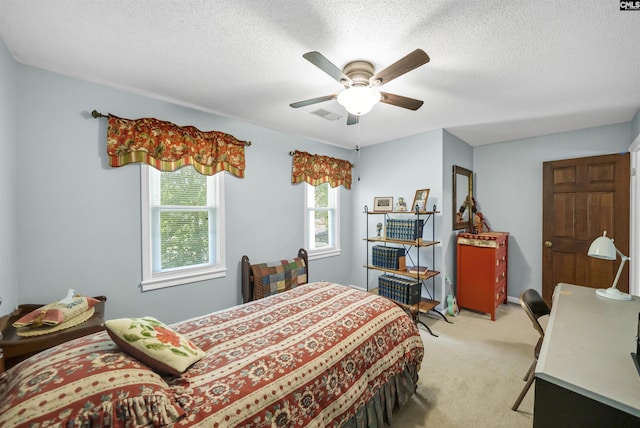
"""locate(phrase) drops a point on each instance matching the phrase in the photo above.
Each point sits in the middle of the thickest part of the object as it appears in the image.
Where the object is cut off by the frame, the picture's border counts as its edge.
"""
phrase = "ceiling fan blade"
(319, 60)
(400, 101)
(404, 65)
(312, 101)
(352, 119)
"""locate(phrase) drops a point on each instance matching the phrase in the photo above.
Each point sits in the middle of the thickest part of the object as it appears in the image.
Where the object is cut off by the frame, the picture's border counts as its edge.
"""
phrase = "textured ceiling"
(499, 70)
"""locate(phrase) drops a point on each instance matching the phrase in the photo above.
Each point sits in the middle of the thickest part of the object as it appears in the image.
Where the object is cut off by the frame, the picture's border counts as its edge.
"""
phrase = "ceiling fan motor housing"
(359, 72)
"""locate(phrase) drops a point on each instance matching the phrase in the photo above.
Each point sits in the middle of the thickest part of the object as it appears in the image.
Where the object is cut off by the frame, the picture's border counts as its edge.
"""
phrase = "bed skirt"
(378, 411)
(319, 355)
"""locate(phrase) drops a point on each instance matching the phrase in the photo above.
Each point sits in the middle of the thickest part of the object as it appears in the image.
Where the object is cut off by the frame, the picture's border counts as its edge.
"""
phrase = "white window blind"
(183, 220)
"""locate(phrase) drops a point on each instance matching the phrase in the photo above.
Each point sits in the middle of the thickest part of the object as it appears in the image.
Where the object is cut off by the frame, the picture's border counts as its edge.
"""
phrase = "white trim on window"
(333, 249)
(634, 244)
(154, 280)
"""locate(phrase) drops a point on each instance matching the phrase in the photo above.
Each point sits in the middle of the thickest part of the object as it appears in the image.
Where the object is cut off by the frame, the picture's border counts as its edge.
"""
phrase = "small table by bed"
(14, 348)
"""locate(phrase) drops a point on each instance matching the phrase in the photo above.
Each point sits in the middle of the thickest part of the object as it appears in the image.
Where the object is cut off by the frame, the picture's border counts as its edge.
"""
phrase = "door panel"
(582, 198)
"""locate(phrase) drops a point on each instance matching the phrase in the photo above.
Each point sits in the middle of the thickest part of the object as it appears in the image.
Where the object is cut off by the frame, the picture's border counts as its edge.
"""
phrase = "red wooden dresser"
(482, 261)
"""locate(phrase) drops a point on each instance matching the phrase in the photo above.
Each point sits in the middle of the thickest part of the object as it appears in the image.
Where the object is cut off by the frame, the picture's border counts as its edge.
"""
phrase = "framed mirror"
(462, 193)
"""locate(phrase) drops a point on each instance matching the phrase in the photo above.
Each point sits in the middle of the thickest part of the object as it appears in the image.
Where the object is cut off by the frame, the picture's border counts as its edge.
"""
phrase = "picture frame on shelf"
(420, 200)
(383, 203)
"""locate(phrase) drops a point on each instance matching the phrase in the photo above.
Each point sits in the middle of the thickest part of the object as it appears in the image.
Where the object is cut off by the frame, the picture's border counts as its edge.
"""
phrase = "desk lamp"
(603, 248)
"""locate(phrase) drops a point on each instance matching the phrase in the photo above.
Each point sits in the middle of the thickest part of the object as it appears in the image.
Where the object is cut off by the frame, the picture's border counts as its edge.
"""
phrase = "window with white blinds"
(182, 221)
(322, 220)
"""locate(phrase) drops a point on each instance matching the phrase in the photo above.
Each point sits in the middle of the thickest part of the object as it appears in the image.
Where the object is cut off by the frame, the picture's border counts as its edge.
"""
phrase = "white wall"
(508, 188)
(79, 220)
(8, 213)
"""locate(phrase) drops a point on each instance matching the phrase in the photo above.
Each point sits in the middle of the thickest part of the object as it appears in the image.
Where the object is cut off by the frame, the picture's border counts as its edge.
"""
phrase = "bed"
(318, 354)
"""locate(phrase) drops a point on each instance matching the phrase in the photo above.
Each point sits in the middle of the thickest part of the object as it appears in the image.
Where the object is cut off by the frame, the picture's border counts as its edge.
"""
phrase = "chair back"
(535, 307)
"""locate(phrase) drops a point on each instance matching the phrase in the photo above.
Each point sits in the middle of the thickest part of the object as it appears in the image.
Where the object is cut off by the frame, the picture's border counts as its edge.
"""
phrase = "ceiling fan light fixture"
(359, 100)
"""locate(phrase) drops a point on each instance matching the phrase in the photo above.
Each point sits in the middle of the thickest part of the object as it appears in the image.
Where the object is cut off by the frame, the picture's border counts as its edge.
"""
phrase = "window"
(322, 220)
(182, 227)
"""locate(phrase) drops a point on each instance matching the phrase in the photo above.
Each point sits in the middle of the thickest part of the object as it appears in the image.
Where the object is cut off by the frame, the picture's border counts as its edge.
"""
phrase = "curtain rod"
(96, 114)
(291, 153)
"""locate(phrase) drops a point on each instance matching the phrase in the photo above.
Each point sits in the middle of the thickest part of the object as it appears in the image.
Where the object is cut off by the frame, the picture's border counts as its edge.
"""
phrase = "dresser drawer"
(501, 293)
(501, 275)
(501, 255)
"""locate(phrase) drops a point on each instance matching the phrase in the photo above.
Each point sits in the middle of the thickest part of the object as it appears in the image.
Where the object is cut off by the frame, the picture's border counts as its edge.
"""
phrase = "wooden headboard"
(249, 279)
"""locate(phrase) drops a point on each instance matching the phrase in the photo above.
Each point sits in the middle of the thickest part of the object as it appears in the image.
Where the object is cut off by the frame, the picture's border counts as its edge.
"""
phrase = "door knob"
(548, 244)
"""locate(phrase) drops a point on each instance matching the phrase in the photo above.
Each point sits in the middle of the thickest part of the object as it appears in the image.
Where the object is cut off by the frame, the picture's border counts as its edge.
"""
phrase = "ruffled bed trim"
(394, 394)
(144, 411)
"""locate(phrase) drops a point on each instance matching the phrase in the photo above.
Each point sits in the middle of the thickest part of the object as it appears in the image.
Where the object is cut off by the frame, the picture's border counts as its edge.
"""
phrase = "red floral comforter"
(308, 357)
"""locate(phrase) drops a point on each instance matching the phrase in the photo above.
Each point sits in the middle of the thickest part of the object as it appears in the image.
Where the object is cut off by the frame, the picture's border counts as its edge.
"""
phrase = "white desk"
(585, 375)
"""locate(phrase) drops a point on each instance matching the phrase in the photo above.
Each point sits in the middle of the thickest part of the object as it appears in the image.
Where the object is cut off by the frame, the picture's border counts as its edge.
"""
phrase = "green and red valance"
(168, 147)
(317, 169)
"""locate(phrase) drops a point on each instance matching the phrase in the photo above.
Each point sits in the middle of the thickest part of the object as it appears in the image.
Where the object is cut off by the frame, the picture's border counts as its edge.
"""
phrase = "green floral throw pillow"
(154, 344)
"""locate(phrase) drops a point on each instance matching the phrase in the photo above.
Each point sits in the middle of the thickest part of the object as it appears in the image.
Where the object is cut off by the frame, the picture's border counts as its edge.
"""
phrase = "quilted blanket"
(310, 357)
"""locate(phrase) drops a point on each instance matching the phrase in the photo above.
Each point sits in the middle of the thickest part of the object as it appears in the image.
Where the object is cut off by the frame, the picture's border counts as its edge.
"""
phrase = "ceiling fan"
(361, 82)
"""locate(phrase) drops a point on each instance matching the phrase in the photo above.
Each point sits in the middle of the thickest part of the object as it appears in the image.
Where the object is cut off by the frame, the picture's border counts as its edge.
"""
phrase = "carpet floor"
(472, 373)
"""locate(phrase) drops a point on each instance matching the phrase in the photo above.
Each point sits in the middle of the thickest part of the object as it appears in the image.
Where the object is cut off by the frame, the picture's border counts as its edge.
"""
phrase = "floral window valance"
(168, 147)
(317, 169)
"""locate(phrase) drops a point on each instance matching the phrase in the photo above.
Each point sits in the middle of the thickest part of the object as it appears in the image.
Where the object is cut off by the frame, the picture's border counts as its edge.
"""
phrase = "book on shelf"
(388, 257)
(418, 269)
(404, 229)
(403, 290)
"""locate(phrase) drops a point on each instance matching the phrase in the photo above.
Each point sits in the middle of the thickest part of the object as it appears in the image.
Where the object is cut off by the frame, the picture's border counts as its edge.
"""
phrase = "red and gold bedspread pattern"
(84, 382)
(308, 357)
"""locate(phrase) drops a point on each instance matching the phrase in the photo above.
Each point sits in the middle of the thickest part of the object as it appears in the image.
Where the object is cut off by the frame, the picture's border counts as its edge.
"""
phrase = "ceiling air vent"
(326, 114)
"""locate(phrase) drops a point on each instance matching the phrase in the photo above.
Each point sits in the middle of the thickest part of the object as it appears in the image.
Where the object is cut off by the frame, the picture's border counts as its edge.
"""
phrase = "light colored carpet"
(472, 373)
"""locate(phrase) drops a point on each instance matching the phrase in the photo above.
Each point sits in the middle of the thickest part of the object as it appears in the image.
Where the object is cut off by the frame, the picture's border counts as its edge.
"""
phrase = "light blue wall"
(396, 168)
(8, 212)
(79, 220)
(70, 221)
(508, 189)
(456, 152)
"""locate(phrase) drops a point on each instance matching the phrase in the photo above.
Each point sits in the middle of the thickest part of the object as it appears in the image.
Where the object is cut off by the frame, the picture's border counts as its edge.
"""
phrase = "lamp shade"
(359, 100)
(603, 248)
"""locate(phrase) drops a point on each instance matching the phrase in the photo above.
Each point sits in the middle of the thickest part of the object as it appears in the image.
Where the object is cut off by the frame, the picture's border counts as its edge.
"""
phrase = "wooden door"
(581, 199)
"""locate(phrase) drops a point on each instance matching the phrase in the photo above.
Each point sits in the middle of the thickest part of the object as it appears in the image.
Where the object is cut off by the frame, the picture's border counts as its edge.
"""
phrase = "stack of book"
(388, 257)
(404, 229)
(403, 290)
(422, 270)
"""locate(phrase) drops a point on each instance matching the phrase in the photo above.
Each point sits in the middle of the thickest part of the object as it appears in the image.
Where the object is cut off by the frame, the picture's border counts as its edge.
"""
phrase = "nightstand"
(14, 348)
